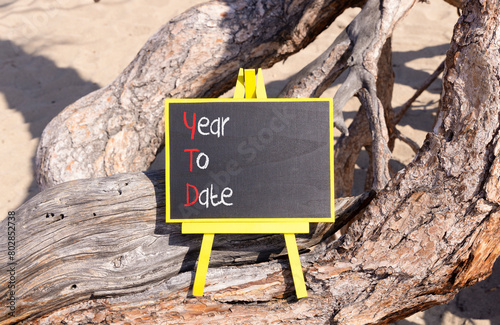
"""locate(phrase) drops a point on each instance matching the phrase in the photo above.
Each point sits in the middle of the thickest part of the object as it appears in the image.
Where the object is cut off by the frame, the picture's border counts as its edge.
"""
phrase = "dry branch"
(119, 128)
(368, 32)
(318, 75)
(360, 48)
(380, 138)
(411, 143)
(347, 148)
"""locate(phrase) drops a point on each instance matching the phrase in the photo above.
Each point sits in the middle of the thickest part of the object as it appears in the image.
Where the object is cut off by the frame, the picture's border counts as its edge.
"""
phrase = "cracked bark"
(119, 128)
(431, 231)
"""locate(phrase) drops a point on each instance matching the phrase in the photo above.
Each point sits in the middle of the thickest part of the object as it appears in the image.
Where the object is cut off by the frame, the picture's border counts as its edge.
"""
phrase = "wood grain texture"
(431, 231)
(106, 237)
(359, 48)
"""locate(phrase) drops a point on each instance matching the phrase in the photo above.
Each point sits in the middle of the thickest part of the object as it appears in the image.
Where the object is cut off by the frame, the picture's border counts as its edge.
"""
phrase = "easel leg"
(297, 275)
(201, 270)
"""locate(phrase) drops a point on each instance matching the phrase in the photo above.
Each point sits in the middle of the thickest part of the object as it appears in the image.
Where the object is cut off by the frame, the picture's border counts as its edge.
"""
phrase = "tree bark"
(119, 128)
(433, 230)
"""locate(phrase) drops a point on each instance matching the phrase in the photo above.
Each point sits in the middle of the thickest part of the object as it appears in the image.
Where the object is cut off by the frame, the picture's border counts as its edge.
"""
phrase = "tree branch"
(369, 32)
(412, 144)
(362, 43)
(380, 138)
(318, 75)
(119, 128)
(431, 231)
(347, 148)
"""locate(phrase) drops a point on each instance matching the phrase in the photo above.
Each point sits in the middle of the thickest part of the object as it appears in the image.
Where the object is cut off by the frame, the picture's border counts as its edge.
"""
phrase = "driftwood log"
(431, 231)
(107, 238)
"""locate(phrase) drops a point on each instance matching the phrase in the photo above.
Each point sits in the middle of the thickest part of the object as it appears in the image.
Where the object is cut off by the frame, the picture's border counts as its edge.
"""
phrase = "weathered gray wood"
(312, 80)
(107, 237)
(380, 153)
(348, 148)
(358, 48)
(119, 128)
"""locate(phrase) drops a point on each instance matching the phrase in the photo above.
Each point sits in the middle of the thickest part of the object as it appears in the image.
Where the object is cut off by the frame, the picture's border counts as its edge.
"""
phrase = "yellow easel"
(248, 87)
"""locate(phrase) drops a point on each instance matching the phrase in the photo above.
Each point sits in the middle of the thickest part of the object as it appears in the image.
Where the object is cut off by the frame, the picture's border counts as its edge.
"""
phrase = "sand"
(53, 52)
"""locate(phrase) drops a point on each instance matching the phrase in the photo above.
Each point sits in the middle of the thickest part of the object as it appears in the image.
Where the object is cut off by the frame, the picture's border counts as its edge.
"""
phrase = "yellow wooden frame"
(254, 91)
(331, 218)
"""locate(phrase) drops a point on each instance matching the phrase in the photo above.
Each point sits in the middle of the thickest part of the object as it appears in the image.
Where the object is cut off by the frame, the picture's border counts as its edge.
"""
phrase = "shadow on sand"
(37, 88)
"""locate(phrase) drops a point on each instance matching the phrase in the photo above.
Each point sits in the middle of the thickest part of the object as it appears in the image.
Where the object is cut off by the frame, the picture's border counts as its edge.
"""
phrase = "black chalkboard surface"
(249, 159)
